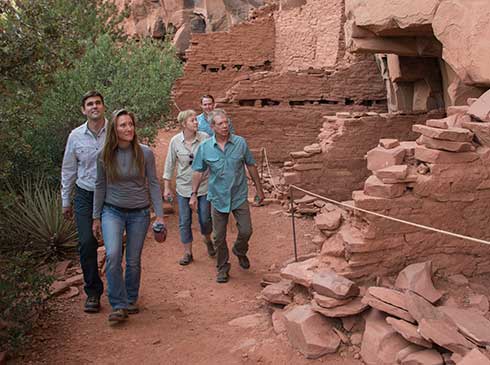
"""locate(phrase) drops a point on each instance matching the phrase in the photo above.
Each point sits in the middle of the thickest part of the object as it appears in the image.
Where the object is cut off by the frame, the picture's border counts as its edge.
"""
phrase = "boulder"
(480, 109)
(445, 335)
(461, 27)
(300, 272)
(373, 186)
(389, 301)
(478, 302)
(328, 221)
(277, 293)
(354, 307)
(426, 357)
(418, 278)
(379, 158)
(330, 284)
(380, 342)
(408, 331)
(470, 323)
(425, 154)
(310, 332)
(450, 146)
(451, 134)
(481, 131)
(474, 357)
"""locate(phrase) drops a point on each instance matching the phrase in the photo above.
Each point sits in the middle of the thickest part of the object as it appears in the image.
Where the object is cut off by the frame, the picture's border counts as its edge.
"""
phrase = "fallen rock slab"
(426, 357)
(301, 272)
(356, 306)
(389, 301)
(425, 154)
(58, 287)
(379, 158)
(437, 123)
(408, 331)
(445, 145)
(410, 349)
(480, 109)
(310, 332)
(474, 357)
(330, 284)
(373, 186)
(481, 131)
(458, 279)
(395, 172)
(470, 323)
(72, 292)
(479, 302)
(328, 221)
(277, 293)
(420, 308)
(445, 335)
(328, 302)
(380, 342)
(389, 143)
(451, 134)
(418, 278)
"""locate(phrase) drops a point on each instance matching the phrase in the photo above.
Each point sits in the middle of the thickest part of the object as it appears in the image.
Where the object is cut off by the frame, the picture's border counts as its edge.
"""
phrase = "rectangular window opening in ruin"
(246, 102)
(204, 68)
(323, 101)
(213, 69)
(269, 102)
(296, 102)
(367, 102)
(349, 101)
(237, 67)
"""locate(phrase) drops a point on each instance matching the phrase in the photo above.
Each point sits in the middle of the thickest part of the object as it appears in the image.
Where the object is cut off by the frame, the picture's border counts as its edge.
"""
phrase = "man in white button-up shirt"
(79, 171)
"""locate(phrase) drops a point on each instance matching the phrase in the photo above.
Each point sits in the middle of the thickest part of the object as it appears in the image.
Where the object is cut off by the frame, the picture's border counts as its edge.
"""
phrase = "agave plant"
(34, 221)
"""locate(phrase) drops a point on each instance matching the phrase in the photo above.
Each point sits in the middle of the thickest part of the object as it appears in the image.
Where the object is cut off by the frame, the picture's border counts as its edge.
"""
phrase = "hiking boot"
(210, 247)
(222, 277)
(243, 260)
(92, 305)
(186, 260)
(133, 308)
(118, 315)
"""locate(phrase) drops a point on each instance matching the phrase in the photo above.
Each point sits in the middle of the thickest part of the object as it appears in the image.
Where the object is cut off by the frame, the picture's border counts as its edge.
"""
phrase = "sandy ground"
(184, 312)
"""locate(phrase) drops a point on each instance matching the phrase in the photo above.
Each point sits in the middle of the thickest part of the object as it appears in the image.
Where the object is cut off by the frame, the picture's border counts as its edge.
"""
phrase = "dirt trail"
(185, 313)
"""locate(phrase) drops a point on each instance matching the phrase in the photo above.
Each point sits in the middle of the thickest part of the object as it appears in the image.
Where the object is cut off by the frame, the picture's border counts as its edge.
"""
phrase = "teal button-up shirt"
(203, 125)
(227, 178)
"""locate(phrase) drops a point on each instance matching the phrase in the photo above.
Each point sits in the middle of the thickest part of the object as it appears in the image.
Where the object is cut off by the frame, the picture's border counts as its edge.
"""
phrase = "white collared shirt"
(179, 155)
(80, 160)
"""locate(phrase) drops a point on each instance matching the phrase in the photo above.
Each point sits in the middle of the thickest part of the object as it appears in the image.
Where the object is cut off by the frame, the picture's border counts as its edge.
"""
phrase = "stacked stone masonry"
(275, 90)
(440, 181)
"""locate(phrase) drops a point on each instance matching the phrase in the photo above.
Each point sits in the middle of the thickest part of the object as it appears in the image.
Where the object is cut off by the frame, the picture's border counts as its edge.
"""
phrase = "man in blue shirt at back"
(207, 106)
(226, 155)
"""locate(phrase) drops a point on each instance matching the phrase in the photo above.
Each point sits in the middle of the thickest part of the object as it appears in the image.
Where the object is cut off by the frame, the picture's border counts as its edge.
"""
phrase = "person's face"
(191, 124)
(124, 128)
(221, 126)
(93, 108)
(207, 105)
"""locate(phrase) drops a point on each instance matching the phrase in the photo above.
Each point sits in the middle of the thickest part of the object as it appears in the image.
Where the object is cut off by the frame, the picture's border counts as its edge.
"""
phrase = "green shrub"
(35, 220)
(137, 75)
(23, 290)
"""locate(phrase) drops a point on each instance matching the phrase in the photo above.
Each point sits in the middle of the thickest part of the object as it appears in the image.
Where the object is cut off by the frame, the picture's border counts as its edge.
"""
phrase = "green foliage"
(22, 292)
(36, 221)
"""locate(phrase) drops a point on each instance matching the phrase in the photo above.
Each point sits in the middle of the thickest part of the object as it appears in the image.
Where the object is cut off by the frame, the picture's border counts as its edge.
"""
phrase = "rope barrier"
(391, 218)
(292, 186)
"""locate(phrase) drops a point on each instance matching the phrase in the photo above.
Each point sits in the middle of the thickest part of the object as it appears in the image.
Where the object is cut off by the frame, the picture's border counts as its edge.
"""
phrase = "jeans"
(244, 226)
(83, 206)
(122, 291)
(185, 217)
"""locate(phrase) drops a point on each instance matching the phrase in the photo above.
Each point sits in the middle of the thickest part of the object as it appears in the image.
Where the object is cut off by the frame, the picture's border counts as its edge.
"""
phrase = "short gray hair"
(215, 113)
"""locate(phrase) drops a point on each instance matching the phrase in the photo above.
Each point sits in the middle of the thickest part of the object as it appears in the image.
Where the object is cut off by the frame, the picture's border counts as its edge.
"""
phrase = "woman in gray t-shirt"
(126, 182)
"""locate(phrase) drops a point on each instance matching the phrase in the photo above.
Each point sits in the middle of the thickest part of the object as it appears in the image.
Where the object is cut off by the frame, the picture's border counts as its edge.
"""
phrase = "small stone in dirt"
(72, 292)
(250, 321)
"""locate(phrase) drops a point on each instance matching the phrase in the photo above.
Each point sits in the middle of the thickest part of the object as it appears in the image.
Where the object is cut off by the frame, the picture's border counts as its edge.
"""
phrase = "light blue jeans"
(115, 221)
(185, 217)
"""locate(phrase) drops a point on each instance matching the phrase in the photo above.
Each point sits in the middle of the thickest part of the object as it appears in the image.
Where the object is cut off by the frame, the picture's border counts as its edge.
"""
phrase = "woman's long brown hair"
(111, 144)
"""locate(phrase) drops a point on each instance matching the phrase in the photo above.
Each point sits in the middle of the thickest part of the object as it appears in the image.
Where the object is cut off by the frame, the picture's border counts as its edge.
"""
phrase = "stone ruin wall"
(280, 90)
(445, 182)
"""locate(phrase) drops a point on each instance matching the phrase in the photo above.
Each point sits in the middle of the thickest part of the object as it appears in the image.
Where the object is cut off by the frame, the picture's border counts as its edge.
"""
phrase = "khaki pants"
(244, 226)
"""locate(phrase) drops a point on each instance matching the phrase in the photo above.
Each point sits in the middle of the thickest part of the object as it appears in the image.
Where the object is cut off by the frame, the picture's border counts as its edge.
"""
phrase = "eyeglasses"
(191, 158)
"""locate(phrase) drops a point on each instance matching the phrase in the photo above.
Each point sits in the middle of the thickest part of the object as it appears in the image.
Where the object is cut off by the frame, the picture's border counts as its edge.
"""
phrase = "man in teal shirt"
(226, 155)
(203, 124)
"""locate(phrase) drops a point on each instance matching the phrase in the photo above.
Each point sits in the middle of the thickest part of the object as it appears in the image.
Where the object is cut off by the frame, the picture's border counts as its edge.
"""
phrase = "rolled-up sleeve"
(100, 188)
(69, 169)
(249, 158)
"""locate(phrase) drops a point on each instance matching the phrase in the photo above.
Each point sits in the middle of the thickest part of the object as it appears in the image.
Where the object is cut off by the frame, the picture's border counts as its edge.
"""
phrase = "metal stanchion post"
(292, 221)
